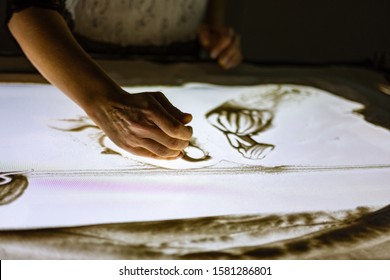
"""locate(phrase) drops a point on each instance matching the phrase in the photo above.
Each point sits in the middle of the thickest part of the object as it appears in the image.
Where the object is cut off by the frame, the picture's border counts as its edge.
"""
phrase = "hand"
(145, 124)
(222, 43)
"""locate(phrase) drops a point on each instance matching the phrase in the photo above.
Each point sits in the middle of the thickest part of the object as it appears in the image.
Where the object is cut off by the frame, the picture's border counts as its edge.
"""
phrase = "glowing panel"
(256, 149)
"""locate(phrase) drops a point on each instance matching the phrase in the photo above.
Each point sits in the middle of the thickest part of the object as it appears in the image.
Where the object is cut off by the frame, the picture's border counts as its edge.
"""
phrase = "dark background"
(302, 31)
(312, 31)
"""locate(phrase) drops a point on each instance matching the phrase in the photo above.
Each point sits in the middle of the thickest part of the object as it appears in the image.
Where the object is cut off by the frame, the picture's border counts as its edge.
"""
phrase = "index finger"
(225, 40)
(169, 124)
(184, 118)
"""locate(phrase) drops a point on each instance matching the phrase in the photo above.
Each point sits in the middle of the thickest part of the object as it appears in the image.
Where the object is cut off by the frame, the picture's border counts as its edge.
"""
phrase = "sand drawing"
(239, 122)
(238, 125)
(12, 186)
(278, 119)
(193, 153)
(352, 233)
(256, 149)
(83, 123)
(239, 119)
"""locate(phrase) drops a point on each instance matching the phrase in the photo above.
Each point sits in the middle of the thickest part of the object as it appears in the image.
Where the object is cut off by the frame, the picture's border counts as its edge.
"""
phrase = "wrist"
(93, 91)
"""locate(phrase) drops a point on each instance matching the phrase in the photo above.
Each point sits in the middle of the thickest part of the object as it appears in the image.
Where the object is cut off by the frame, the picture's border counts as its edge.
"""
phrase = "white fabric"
(137, 22)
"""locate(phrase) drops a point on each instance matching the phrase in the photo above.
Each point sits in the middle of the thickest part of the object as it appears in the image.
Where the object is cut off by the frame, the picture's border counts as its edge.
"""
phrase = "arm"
(145, 124)
(222, 43)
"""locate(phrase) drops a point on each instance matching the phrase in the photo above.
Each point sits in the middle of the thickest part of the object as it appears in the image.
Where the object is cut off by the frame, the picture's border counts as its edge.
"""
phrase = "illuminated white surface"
(72, 183)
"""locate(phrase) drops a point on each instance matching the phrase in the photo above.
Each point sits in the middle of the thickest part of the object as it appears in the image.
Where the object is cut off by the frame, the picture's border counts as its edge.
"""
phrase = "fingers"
(171, 127)
(225, 40)
(234, 61)
(145, 140)
(142, 152)
(168, 135)
(231, 56)
(155, 134)
(145, 124)
(169, 124)
(223, 44)
(159, 149)
(184, 118)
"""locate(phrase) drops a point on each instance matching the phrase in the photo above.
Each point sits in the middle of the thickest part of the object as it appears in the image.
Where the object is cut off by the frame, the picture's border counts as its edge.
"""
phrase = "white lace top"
(137, 22)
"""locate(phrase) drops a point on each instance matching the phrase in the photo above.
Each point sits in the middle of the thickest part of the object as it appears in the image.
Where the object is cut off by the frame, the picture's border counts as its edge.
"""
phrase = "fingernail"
(186, 118)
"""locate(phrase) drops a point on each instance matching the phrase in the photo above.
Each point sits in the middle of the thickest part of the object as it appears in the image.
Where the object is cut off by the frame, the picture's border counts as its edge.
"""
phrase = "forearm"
(145, 124)
(47, 42)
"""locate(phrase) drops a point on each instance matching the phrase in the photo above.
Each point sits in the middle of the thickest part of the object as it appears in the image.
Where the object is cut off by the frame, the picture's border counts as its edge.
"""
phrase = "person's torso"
(137, 22)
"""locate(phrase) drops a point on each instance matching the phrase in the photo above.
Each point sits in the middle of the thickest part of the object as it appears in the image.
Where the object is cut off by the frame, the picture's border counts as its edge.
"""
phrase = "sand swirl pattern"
(12, 186)
(358, 233)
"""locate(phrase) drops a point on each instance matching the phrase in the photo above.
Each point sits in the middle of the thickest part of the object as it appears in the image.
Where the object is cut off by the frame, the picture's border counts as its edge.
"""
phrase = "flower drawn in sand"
(247, 116)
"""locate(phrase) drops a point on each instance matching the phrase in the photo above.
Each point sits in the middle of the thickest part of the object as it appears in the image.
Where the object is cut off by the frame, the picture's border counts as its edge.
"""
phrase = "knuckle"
(141, 120)
(129, 142)
(147, 101)
(173, 143)
(163, 151)
(158, 93)
(190, 131)
(148, 114)
(139, 128)
(176, 128)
